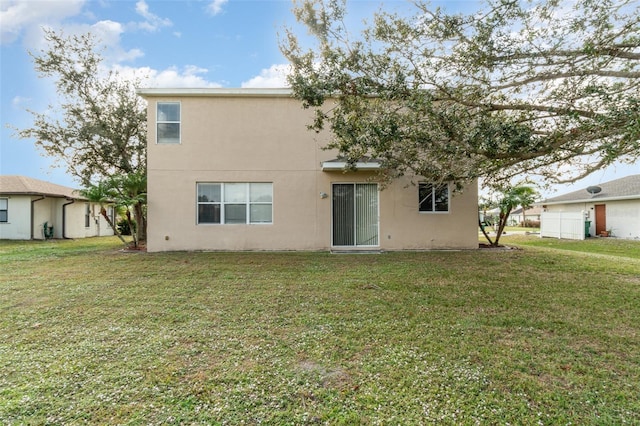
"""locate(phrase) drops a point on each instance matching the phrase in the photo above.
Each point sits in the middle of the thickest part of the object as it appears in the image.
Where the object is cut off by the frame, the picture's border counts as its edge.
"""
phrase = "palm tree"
(131, 192)
(521, 195)
(527, 196)
(102, 194)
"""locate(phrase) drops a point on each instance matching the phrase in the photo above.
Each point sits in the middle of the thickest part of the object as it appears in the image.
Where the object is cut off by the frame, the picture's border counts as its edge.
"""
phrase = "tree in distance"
(98, 130)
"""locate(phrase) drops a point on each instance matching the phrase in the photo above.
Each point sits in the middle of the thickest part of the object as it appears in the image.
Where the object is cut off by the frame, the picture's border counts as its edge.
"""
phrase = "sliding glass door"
(355, 214)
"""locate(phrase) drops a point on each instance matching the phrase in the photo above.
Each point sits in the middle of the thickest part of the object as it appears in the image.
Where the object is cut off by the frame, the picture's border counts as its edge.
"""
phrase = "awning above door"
(338, 164)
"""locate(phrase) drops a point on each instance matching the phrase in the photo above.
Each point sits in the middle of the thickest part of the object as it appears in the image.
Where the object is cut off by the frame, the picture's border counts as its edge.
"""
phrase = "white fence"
(569, 225)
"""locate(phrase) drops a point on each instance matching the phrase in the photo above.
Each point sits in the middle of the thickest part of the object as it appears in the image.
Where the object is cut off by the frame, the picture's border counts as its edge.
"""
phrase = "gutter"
(220, 92)
(589, 200)
(32, 220)
(64, 219)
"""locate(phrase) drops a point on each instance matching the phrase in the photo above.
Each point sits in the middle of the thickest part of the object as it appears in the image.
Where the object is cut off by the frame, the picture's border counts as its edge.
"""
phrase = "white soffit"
(329, 166)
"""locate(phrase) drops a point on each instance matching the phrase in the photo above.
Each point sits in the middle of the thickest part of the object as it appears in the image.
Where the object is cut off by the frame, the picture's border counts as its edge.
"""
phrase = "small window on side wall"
(168, 123)
(4, 209)
(433, 198)
(87, 215)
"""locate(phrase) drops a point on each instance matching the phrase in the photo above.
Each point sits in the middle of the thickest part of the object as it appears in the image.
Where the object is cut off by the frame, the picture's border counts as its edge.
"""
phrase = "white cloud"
(173, 77)
(18, 102)
(274, 76)
(20, 16)
(108, 34)
(152, 21)
(215, 7)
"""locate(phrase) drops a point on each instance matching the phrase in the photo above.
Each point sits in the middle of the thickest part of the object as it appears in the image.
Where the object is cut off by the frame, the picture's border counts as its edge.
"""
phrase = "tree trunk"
(483, 231)
(103, 211)
(504, 216)
(141, 222)
(133, 232)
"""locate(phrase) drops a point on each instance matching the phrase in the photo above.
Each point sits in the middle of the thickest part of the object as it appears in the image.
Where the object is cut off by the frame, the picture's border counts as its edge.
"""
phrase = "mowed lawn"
(537, 335)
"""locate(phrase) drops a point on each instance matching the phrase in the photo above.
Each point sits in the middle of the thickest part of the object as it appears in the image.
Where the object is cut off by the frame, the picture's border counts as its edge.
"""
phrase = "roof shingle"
(22, 185)
(623, 188)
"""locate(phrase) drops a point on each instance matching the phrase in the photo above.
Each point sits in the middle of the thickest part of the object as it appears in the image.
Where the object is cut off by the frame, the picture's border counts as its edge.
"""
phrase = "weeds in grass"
(89, 334)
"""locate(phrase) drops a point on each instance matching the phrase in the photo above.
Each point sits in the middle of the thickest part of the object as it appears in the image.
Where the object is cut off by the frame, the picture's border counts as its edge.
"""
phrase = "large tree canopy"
(98, 128)
(544, 87)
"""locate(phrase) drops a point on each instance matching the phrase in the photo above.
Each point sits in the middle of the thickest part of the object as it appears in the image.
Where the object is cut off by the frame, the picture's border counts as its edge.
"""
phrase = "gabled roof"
(626, 188)
(533, 210)
(22, 185)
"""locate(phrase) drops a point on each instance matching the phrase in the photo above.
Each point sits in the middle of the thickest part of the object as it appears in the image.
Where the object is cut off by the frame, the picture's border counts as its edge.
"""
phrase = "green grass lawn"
(615, 247)
(537, 335)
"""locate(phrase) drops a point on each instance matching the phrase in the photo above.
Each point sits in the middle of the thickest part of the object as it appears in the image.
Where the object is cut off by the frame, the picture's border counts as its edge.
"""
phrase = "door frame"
(356, 246)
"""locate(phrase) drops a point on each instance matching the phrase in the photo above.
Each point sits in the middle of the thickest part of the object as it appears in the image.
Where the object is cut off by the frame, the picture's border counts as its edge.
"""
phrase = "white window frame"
(223, 202)
(5, 210)
(435, 189)
(178, 122)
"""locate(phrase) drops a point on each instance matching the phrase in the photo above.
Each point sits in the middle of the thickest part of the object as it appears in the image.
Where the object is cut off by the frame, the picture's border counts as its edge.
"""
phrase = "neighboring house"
(237, 169)
(516, 218)
(27, 204)
(609, 207)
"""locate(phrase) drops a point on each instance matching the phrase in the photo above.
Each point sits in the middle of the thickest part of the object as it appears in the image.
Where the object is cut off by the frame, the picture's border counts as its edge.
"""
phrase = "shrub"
(530, 224)
(123, 227)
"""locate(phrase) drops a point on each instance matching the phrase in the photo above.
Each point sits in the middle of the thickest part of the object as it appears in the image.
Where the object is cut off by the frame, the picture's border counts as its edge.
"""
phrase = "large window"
(4, 210)
(237, 202)
(433, 198)
(168, 122)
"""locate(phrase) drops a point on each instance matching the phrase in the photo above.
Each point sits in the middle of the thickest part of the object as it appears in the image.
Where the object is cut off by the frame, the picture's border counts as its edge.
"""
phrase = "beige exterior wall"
(18, 225)
(50, 210)
(75, 221)
(261, 138)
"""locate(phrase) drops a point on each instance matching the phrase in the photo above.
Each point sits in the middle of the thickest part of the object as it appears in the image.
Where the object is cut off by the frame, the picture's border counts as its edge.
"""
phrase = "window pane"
(261, 213)
(235, 213)
(168, 132)
(343, 215)
(168, 111)
(366, 214)
(4, 203)
(261, 192)
(235, 192)
(209, 213)
(425, 197)
(442, 199)
(209, 192)
(3, 216)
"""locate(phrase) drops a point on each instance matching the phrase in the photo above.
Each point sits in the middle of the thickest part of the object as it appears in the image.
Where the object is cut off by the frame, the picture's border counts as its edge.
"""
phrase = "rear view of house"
(237, 169)
(35, 209)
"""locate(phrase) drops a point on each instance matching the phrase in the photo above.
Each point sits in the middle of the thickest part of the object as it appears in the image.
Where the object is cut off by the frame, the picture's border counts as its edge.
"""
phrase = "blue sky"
(188, 43)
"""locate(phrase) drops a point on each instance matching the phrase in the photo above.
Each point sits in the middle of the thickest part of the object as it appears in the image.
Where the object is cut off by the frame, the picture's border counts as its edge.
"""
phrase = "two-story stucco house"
(237, 169)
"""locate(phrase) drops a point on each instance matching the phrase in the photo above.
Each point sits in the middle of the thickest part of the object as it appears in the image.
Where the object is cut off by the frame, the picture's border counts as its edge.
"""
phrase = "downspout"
(32, 220)
(64, 219)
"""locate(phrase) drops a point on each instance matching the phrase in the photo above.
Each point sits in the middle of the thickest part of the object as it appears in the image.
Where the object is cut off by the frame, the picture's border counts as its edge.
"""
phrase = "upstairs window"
(4, 210)
(433, 198)
(168, 122)
(235, 203)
